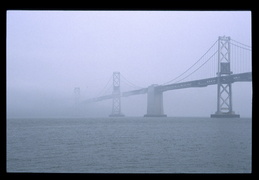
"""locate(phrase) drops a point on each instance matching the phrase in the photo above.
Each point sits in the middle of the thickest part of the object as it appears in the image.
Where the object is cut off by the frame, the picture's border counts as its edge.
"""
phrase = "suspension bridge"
(227, 61)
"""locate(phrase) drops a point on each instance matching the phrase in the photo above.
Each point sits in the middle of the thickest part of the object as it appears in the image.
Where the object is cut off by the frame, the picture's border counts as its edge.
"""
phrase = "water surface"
(129, 145)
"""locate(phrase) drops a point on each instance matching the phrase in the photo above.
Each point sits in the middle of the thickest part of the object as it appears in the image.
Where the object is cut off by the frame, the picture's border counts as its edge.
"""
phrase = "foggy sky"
(49, 53)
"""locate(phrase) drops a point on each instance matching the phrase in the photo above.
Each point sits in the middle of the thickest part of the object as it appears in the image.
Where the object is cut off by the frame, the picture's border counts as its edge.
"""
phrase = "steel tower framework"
(116, 101)
(224, 90)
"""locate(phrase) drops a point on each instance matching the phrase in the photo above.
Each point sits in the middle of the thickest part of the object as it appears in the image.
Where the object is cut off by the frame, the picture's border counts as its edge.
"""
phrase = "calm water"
(129, 145)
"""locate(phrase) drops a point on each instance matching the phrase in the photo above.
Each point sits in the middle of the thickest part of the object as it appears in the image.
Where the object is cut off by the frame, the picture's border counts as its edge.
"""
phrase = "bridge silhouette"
(227, 61)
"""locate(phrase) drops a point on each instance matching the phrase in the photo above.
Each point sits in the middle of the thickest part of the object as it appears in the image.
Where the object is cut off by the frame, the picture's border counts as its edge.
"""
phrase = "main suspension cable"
(192, 65)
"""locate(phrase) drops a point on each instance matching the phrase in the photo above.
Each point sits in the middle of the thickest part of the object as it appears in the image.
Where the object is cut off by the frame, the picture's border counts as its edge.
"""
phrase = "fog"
(49, 53)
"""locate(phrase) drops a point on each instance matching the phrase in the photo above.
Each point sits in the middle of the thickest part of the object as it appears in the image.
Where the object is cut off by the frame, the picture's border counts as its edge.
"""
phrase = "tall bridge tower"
(116, 100)
(224, 90)
(77, 100)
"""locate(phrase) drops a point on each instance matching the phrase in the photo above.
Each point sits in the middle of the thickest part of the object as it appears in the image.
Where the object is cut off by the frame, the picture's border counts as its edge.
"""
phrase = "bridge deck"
(242, 77)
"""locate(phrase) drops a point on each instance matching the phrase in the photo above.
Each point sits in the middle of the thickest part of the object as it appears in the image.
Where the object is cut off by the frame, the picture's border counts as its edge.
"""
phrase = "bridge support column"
(224, 90)
(116, 101)
(154, 103)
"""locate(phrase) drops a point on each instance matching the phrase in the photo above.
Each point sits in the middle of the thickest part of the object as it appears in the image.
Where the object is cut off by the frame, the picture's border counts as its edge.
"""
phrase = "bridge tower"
(224, 90)
(77, 100)
(154, 102)
(116, 101)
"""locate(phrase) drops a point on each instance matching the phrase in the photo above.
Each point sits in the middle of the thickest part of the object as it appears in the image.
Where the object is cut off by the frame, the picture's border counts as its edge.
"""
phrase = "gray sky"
(49, 53)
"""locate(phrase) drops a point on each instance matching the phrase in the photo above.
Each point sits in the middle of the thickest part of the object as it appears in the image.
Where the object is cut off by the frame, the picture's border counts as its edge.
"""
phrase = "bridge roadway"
(242, 77)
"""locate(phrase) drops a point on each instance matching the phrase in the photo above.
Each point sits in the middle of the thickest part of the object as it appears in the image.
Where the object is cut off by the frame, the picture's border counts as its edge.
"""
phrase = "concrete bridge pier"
(154, 103)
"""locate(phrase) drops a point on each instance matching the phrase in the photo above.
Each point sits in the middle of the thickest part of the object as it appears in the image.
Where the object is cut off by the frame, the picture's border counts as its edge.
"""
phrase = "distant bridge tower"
(116, 101)
(77, 99)
(224, 90)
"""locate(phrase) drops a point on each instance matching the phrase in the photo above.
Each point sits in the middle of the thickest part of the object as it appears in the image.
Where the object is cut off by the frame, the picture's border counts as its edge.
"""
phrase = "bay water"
(129, 145)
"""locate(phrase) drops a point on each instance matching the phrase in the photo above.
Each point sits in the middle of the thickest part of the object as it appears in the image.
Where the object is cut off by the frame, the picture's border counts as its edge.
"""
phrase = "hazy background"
(49, 53)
